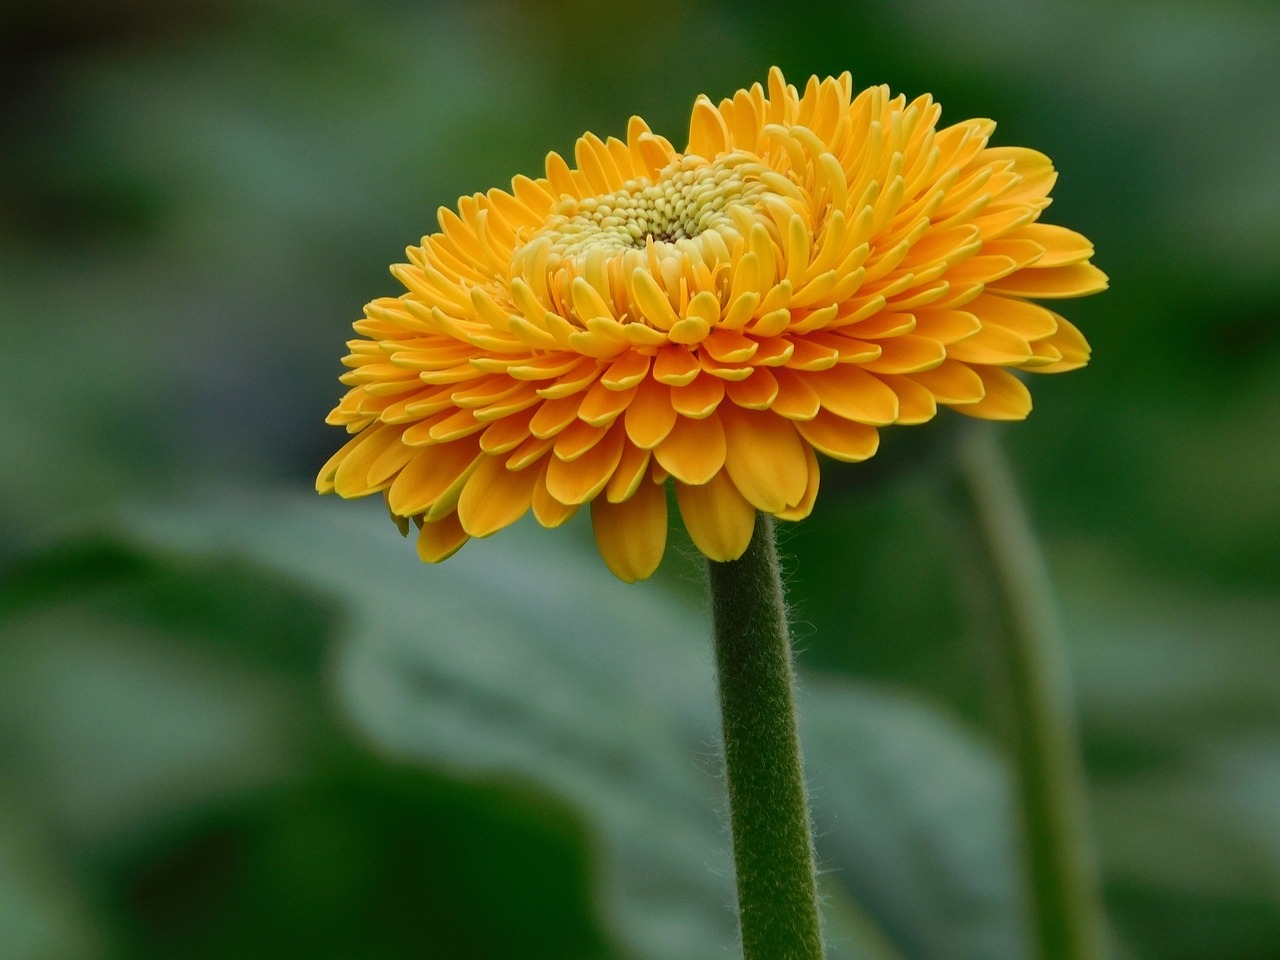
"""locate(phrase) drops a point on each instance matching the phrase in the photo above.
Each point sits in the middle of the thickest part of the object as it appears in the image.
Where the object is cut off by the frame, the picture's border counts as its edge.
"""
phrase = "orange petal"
(907, 354)
(495, 497)
(719, 519)
(603, 404)
(632, 535)
(757, 392)
(991, 345)
(841, 439)
(650, 417)
(1077, 280)
(952, 382)
(577, 481)
(547, 510)
(805, 506)
(698, 399)
(796, 400)
(1062, 247)
(694, 450)
(441, 540)
(1029, 320)
(434, 472)
(915, 403)
(1007, 398)
(855, 395)
(1071, 343)
(765, 459)
(630, 472)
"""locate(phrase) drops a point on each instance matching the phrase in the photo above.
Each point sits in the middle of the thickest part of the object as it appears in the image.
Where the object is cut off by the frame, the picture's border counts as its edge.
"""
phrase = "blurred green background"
(237, 720)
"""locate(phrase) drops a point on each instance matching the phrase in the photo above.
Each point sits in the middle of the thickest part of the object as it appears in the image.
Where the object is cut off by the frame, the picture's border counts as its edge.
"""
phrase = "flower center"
(687, 200)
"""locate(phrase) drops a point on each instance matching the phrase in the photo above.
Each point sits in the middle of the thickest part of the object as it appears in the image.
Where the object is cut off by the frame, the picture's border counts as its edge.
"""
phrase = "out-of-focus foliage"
(195, 200)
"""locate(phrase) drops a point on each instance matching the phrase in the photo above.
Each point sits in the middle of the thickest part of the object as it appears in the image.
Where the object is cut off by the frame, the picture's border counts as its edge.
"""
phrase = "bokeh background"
(237, 720)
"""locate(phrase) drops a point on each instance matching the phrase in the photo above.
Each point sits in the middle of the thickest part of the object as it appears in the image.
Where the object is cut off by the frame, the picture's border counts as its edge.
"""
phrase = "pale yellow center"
(684, 202)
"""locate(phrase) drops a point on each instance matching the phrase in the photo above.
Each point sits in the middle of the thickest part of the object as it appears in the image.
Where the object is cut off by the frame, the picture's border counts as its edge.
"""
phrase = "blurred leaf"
(169, 761)
(525, 658)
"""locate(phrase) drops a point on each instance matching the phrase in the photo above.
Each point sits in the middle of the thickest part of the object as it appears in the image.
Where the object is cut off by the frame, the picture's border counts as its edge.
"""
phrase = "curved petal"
(632, 535)
(765, 458)
(495, 497)
(719, 519)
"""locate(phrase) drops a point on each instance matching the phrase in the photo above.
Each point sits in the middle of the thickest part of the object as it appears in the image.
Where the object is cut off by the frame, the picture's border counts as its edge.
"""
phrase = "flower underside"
(810, 268)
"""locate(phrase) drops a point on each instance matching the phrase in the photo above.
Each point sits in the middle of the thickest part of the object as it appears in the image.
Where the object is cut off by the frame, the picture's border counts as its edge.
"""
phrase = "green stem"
(768, 808)
(1032, 674)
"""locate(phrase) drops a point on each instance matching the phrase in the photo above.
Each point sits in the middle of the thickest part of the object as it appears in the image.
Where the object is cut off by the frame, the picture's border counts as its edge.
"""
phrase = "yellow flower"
(810, 268)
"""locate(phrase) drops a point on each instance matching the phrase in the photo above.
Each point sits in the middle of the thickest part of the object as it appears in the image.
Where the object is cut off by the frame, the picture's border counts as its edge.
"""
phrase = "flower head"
(811, 267)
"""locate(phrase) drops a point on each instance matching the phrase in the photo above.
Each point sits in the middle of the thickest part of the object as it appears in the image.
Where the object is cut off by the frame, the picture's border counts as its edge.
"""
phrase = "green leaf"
(523, 657)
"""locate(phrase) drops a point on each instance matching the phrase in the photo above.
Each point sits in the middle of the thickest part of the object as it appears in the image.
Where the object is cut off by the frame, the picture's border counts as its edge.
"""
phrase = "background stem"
(1039, 722)
(768, 806)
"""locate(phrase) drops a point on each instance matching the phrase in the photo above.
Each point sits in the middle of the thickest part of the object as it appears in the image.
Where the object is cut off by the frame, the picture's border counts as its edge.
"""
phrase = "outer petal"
(495, 497)
(765, 459)
(1007, 398)
(632, 535)
(719, 519)
(441, 540)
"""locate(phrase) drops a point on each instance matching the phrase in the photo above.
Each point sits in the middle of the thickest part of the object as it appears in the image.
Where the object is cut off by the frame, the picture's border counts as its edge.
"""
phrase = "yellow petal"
(765, 458)
(1028, 320)
(916, 404)
(650, 417)
(495, 497)
(838, 438)
(694, 450)
(855, 395)
(951, 382)
(441, 540)
(577, 481)
(796, 399)
(907, 354)
(1077, 280)
(992, 344)
(604, 404)
(431, 474)
(1069, 342)
(805, 506)
(632, 535)
(631, 471)
(757, 392)
(547, 510)
(1007, 398)
(352, 476)
(698, 399)
(1062, 247)
(719, 519)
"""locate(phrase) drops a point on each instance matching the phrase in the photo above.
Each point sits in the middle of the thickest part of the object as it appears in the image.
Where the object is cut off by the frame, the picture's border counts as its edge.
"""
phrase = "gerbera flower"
(810, 268)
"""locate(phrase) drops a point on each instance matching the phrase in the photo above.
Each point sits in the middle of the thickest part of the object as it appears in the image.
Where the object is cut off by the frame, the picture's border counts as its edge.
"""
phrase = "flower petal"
(632, 535)
(839, 438)
(495, 497)
(442, 539)
(855, 395)
(1077, 280)
(765, 458)
(651, 417)
(1007, 397)
(719, 519)
(694, 450)
(805, 506)
(577, 481)
(432, 474)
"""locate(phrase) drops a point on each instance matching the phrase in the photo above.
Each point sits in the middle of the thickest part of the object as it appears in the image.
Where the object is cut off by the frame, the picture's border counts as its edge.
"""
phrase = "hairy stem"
(768, 806)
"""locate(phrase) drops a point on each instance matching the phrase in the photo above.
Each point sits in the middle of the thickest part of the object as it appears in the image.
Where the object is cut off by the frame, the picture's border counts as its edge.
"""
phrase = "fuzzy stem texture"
(768, 806)
(1039, 720)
